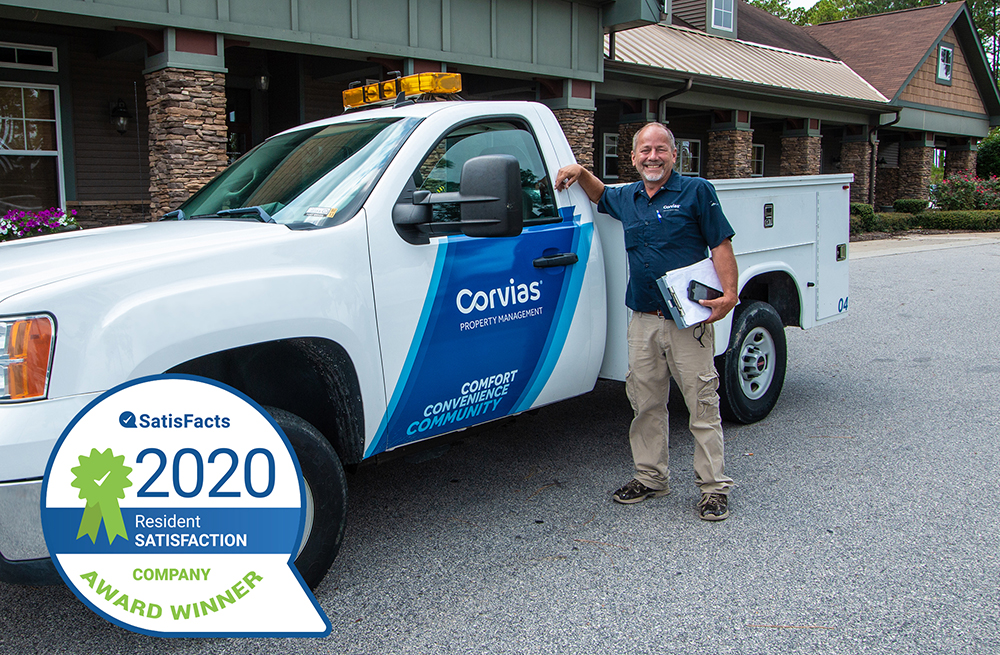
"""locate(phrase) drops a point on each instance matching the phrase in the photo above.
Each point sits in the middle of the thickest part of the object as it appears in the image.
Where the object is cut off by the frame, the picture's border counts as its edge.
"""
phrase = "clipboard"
(674, 284)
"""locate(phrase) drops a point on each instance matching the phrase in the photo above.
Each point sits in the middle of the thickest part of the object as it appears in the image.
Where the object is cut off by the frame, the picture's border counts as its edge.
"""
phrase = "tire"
(752, 370)
(326, 496)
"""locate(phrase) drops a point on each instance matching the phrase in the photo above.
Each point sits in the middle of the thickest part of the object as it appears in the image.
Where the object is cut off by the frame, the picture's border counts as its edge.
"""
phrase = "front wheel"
(326, 496)
(753, 367)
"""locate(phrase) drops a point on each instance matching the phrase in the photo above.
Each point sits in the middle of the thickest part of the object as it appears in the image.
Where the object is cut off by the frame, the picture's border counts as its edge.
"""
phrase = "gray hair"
(670, 135)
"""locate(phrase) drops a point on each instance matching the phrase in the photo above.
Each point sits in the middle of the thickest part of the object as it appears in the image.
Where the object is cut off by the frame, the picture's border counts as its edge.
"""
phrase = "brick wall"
(800, 155)
(626, 171)
(101, 213)
(730, 154)
(855, 157)
(187, 134)
(886, 187)
(915, 164)
(578, 126)
(959, 161)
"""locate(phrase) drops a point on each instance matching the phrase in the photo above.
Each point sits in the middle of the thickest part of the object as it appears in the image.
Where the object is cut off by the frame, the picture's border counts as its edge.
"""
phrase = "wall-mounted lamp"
(120, 116)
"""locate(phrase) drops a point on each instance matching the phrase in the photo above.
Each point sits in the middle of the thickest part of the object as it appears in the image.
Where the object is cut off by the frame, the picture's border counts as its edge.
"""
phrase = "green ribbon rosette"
(101, 479)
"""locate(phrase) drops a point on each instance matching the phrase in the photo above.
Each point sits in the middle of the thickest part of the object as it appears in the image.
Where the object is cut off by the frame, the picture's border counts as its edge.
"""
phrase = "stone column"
(801, 155)
(187, 133)
(960, 159)
(730, 154)
(915, 165)
(578, 126)
(855, 157)
(626, 132)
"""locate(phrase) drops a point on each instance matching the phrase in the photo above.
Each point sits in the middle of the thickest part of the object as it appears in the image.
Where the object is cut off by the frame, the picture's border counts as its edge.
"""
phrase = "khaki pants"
(657, 350)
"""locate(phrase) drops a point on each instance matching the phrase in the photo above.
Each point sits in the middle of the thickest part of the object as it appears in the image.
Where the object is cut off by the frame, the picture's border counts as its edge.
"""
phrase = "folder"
(674, 287)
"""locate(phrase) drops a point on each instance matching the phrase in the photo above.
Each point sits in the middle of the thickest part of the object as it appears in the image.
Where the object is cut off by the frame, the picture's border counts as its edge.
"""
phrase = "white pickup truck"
(375, 280)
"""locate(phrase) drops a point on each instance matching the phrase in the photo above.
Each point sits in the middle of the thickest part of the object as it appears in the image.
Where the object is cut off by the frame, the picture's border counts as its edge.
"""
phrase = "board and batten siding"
(109, 166)
(692, 12)
(556, 38)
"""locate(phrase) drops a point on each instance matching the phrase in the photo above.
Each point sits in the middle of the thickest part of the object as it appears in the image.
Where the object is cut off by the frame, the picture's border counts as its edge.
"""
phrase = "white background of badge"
(277, 604)
(100, 429)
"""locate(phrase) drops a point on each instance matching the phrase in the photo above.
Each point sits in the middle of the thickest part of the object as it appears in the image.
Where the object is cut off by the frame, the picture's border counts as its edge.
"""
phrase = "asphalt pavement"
(864, 520)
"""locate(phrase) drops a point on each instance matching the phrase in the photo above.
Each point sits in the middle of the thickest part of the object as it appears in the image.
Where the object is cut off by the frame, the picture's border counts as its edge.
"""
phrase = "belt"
(658, 313)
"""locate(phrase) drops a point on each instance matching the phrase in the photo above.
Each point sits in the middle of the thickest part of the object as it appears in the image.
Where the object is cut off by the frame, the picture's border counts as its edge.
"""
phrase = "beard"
(653, 174)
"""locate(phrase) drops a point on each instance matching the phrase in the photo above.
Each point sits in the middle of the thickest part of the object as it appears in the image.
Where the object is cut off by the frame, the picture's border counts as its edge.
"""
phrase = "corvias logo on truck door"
(490, 333)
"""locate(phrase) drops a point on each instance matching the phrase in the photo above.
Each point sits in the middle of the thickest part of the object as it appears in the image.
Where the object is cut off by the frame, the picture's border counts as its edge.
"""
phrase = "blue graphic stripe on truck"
(490, 332)
(565, 313)
(418, 337)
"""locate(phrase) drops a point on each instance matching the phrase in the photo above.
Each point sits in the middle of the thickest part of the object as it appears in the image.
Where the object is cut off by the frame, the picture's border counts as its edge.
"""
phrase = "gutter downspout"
(660, 108)
(873, 160)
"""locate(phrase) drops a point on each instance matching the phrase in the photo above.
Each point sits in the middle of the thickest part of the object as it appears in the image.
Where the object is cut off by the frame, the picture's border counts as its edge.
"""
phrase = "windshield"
(314, 177)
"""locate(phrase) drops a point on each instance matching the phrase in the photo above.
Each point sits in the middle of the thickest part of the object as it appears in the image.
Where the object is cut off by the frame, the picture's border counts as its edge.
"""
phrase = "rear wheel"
(753, 367)
(326, 496)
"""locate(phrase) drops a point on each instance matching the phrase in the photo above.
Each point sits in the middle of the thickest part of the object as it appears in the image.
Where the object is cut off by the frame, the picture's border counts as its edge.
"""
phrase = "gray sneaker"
(713, 507)
(636, 492)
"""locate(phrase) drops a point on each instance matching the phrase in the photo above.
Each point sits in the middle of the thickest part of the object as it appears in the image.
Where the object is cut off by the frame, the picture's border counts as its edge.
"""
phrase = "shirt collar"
(673, 184)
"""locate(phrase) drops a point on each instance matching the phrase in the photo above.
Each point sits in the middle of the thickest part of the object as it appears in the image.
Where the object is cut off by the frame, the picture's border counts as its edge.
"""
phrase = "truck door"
(832, 236)
(474, 329)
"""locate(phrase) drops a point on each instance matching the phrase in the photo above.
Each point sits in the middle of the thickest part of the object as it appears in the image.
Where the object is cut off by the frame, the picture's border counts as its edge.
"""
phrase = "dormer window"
(945, 63)
(722, 15)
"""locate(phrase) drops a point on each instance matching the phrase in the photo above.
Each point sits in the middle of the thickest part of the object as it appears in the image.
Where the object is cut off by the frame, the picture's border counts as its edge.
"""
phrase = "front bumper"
(28, 432)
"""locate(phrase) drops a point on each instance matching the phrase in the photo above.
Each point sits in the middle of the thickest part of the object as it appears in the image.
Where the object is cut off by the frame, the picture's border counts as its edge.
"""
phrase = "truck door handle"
(558, 259)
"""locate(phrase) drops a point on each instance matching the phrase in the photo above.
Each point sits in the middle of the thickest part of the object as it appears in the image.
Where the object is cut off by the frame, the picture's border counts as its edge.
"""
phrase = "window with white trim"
(29, 57)
(722, 15)
(688, 156)
(30, 148)
(610, 156)
(946, 57)
(757, 163)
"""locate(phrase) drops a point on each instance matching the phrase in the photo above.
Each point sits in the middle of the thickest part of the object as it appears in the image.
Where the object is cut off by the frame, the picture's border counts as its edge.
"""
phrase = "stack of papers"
(674, 287)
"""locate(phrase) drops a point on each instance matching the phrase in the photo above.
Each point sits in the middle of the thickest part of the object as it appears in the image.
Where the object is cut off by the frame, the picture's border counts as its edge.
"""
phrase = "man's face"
(653, 156)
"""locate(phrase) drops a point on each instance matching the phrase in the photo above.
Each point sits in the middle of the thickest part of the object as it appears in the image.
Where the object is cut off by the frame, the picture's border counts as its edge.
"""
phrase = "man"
(670, 222)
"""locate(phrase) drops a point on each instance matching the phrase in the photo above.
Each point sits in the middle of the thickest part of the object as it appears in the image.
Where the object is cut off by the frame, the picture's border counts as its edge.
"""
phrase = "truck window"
(316, 176)
(441, 170)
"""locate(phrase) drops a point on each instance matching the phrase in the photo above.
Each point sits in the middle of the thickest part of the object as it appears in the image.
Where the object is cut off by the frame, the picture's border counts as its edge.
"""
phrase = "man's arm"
(725, 267)
(590, 184)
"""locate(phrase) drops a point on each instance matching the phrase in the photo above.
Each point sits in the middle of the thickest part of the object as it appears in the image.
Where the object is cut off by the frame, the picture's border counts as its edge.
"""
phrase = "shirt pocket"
(633, 238)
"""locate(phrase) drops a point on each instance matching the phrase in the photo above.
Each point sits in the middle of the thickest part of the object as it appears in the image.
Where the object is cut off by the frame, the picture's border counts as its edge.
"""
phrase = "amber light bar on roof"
(411, 85)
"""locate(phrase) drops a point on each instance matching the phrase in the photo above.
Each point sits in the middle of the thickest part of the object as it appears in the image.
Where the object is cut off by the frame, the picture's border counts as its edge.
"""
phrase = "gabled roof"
(757, 26)
(728, 62)
(886, 49)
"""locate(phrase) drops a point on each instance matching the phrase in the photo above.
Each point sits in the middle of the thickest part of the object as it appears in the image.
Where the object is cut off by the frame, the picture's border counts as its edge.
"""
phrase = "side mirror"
(494, 181)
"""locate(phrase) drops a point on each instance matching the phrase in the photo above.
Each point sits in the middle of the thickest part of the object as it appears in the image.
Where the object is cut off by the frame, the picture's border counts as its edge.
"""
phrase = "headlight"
(25, 357)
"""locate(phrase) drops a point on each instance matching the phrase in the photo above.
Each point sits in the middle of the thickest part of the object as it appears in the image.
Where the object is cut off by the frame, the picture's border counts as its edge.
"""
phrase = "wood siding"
(692, 12)
(109, 166)
(962, 95)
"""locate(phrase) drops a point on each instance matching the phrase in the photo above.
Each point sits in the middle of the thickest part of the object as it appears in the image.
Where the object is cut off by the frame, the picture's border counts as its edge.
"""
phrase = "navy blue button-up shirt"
(677, 227)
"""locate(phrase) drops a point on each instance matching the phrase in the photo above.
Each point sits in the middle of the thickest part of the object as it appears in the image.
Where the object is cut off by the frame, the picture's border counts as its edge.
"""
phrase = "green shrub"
(964, 191)
(865, 215)
(909, 205)
(988, 156)
(960, 220)
(893, 222)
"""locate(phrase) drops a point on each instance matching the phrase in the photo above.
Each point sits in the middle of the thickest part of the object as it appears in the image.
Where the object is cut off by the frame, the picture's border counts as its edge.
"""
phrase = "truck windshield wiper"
(176, 215)
(256, 211)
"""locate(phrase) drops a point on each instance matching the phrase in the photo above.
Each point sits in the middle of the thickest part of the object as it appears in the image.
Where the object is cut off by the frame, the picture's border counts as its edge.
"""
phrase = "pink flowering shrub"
(17, 224)
(966, 191)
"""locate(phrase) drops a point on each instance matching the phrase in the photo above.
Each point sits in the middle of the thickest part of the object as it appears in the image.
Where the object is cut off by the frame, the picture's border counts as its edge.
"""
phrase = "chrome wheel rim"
(756, 363)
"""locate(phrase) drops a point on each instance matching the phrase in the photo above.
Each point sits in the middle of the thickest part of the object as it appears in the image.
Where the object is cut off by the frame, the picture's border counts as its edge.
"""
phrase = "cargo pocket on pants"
(708, 396)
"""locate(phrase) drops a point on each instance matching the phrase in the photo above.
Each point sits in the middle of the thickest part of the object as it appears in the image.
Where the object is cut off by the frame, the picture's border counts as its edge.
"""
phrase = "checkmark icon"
(103, 478)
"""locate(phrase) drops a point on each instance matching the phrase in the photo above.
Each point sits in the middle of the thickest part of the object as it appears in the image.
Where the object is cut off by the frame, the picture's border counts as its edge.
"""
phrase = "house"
(748, 94)
(937, 78)
(120, 109)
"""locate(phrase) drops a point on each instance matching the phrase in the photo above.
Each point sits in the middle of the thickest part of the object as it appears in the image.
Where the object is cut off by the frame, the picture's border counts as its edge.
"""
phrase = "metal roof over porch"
(727, 61)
